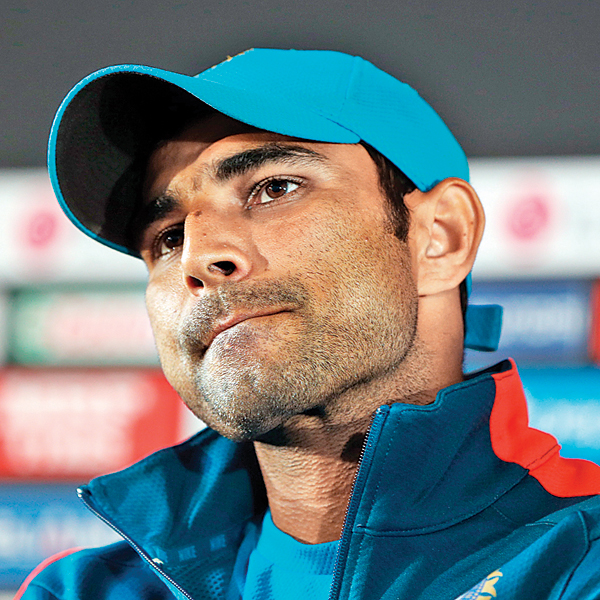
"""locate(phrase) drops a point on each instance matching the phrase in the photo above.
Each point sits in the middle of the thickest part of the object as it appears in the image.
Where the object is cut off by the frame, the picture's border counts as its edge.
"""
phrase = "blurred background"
(80, 390)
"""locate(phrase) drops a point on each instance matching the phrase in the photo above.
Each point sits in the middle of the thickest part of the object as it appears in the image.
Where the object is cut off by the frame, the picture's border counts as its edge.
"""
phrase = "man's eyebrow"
(253, 158)
(155, 210)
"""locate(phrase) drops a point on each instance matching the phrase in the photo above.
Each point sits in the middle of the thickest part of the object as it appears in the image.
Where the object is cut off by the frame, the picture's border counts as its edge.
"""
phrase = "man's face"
(275, 280)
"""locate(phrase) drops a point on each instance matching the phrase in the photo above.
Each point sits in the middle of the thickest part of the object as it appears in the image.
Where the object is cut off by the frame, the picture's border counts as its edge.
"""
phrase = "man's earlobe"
(446, 228)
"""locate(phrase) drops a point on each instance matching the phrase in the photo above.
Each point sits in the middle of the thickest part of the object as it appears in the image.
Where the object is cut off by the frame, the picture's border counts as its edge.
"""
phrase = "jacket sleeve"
(114, 572)
(29, 590)
(34, 592)
(584, 583)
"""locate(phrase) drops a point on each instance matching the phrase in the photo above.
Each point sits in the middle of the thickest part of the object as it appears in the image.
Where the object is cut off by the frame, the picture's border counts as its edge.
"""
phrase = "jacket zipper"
(86, 498)
(360, 477)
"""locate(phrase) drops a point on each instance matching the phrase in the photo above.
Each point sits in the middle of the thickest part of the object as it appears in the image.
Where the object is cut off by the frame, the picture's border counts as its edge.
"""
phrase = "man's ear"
(446, 225)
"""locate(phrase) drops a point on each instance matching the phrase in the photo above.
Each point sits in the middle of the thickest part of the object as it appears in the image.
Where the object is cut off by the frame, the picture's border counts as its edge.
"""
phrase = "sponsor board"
(37, 521)
(39, 244)
(544, 322)
(543, 216)
(76, 424)
(566, 403)
(3, 327)
(81, 327)
(595, 326)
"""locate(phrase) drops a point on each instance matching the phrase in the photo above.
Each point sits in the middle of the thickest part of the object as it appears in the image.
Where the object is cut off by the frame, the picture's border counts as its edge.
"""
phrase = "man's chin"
(241, 417)
(243, 404)
(244, 429)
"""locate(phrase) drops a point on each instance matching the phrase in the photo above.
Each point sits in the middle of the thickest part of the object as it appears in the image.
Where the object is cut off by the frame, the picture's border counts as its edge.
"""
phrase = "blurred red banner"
(65, 424)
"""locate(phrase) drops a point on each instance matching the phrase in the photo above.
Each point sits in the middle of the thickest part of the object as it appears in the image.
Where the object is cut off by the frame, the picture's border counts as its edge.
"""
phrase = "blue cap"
(106, 126)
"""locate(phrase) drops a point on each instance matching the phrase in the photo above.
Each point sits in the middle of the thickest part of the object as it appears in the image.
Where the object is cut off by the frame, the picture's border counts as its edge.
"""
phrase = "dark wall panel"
(509, 77)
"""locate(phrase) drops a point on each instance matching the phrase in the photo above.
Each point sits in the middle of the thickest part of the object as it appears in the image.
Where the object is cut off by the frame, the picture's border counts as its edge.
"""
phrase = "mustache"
(231, 298)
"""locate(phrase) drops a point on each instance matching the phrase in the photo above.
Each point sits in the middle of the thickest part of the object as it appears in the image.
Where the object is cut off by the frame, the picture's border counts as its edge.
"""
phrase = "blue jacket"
(456, 499)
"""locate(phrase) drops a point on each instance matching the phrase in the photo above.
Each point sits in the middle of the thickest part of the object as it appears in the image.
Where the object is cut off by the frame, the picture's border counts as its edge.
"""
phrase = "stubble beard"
(256, 379)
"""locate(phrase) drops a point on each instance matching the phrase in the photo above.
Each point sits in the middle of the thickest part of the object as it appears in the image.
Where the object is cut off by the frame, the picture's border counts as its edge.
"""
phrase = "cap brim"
(106, 126)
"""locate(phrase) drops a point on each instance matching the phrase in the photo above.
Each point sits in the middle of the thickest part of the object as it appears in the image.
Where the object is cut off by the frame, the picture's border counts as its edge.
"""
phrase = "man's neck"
(309, 464)
(309, 476)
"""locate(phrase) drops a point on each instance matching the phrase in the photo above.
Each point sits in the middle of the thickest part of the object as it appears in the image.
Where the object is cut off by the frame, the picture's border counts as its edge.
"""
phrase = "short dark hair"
(396, 185)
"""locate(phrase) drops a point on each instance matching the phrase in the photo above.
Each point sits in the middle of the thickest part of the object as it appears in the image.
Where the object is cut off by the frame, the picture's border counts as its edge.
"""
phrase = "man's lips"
(234, 319)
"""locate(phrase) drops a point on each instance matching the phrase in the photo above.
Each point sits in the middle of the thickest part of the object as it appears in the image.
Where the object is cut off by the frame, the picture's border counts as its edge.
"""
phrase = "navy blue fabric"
(115, 573)
(434, 514)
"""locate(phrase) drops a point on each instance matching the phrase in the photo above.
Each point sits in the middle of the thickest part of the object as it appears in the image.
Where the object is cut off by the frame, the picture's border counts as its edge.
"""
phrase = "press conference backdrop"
(80, 389)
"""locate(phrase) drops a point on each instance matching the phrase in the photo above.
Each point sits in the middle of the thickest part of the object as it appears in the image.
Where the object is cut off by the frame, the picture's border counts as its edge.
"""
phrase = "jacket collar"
(426, 468)
(434, 465)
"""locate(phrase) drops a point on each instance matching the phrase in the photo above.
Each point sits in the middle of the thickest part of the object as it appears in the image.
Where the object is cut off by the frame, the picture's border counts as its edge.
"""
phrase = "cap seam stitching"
(350, 84)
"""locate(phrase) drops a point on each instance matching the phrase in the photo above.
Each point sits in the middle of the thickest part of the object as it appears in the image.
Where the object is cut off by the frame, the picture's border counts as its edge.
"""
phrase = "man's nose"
(217, 250)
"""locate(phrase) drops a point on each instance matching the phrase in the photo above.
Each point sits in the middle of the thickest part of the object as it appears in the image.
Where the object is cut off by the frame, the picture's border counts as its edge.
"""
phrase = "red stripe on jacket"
(41, 567)
(513, 440)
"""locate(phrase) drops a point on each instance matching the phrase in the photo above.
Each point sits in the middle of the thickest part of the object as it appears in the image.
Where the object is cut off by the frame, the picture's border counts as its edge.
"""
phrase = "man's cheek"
(162, 314)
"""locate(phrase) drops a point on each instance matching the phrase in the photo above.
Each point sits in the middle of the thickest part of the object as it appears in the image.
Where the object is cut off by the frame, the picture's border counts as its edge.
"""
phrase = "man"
(308, 228)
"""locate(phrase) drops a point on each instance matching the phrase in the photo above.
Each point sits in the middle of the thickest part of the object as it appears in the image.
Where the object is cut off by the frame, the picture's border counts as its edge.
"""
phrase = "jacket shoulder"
(584, 583)
(108, 573)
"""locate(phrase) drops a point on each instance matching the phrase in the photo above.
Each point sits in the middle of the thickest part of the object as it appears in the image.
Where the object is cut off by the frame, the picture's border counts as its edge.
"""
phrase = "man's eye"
(169, 240)
(274, 189)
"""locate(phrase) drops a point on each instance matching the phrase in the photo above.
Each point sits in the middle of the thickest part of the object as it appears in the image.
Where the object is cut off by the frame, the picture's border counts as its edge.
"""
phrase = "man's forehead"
(213, 126)
(196, 133)
(227, 147)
